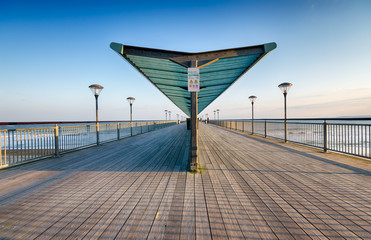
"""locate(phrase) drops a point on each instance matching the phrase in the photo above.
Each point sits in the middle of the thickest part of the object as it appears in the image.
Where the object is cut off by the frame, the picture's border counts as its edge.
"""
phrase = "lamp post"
(285, 87)
(252, 99)
(96, 89)
(177, 117)
(131, 100)
(217, 111)
(169, 115)
(166, 115)
(214, 115)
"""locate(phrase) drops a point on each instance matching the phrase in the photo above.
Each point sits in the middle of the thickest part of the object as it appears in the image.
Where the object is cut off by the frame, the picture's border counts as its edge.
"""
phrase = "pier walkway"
(138, 188)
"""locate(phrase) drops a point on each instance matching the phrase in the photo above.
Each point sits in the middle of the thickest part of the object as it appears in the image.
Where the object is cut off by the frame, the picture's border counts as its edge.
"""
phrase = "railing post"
(118, 131)
(4, 144)
(324, 136)
(243, 125)
(9, 141)
(56, 140)
(265, 128)
(141, 127)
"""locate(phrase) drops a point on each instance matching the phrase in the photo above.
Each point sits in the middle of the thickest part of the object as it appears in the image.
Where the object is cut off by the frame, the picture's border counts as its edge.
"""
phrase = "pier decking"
(249, 188)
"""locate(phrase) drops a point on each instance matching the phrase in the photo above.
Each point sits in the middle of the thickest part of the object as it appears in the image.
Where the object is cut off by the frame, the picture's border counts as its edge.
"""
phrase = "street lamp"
(131, 100)
(214, 115)
(177, 116)
(217, 111)
(285, 87)
(96, 89)
(166, 115)
(252, 99)
(169, 115)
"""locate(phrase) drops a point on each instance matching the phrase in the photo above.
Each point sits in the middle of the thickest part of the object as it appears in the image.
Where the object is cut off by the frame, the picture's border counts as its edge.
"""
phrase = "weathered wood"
(246, 157)
(138, 188)
(202, 219)
(188, 215)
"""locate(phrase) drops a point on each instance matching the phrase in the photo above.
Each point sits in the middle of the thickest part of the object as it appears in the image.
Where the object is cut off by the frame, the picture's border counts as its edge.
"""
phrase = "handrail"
(73, 122)
(342, 135)
(304, 119)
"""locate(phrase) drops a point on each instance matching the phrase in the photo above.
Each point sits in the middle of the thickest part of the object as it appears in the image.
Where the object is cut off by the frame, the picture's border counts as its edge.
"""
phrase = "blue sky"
(51, 51)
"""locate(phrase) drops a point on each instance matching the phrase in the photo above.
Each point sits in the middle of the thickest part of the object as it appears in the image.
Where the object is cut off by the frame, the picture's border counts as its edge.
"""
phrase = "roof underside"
(167, 70)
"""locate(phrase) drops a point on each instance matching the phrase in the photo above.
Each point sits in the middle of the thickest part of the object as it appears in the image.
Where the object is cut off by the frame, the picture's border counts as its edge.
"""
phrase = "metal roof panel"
(167, 70)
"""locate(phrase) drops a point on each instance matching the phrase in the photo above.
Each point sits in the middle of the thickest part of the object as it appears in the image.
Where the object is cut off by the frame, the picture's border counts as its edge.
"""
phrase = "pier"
(248, 187)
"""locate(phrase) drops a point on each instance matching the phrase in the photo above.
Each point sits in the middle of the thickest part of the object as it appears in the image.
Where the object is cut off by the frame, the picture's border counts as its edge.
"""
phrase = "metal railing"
(344, 135)
(20, 145)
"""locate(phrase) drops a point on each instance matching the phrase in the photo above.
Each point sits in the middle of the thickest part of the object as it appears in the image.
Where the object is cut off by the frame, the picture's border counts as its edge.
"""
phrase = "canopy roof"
(167, 70)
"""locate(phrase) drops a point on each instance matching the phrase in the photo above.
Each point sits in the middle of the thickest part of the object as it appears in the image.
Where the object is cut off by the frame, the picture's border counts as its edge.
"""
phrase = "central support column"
(194, 131)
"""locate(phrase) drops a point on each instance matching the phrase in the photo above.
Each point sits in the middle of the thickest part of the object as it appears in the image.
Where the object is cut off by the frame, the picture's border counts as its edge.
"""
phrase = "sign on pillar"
(193, 79)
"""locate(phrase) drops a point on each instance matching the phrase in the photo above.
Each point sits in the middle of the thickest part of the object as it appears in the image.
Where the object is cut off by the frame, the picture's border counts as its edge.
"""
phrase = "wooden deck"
(251, 188)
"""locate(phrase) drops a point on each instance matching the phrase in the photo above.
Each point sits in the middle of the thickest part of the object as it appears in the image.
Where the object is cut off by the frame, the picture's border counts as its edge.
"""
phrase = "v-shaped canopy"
(167, 70)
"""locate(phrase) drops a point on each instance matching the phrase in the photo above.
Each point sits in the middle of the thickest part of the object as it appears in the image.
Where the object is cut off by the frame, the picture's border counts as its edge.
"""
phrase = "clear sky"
(51, 51)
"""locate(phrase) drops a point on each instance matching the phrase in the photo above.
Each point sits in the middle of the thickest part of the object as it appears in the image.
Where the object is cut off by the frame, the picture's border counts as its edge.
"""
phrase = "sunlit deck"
(138, 187)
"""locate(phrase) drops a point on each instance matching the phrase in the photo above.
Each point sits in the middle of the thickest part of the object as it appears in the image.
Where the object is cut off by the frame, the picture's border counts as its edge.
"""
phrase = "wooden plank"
(217, 226)
(118, 219)
(202, 217)
(159, 224)
(51, 212)
(231, 224)
(295, 180)
(256, 218)
(108, 219)
(188, 216)
(174, 221)
(280, 230)
(139, 225)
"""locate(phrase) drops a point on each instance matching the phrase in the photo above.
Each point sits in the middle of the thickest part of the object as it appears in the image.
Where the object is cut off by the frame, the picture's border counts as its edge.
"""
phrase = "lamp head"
(130, 100)
(253, 98)
(285, 87)
(96, 89)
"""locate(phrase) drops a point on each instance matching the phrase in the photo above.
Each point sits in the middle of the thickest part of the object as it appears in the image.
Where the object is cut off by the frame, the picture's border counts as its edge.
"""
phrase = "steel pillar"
(252, 118)
(96, 118)
(194, 131)
(285, 95)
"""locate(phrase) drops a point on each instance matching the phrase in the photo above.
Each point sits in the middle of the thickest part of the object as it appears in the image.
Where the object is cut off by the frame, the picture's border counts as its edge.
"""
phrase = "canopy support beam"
(193, 166)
